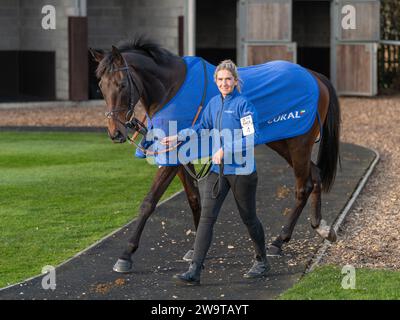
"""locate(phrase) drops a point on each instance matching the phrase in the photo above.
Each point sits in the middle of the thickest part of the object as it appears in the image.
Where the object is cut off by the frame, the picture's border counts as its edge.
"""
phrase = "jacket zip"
(221, 166)
(220, 117)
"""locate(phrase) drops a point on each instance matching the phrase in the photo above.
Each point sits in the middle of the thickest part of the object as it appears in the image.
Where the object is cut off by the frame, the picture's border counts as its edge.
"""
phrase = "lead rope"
(214, 194)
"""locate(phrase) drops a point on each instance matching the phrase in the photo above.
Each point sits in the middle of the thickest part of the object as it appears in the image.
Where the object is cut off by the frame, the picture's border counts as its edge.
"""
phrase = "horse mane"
(139, 44)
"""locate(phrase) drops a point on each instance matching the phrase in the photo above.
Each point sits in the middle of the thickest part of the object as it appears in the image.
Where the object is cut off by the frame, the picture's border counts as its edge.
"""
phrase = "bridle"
(131, 121)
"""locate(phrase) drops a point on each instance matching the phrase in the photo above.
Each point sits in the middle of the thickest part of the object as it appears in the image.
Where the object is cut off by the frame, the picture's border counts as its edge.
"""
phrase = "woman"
(233, 113)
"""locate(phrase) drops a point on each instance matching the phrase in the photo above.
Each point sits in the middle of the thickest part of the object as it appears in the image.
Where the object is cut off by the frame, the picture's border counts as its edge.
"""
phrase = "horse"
(141, 70)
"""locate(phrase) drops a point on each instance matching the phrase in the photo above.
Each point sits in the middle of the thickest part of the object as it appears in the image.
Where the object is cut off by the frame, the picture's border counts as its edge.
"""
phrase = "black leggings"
(244, 191)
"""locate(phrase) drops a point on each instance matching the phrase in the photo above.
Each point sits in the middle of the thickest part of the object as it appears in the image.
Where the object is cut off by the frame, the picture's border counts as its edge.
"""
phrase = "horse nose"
(117, 136)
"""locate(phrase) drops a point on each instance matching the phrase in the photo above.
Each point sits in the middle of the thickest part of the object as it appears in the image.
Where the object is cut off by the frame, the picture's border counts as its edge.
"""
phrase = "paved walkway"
(166, 239)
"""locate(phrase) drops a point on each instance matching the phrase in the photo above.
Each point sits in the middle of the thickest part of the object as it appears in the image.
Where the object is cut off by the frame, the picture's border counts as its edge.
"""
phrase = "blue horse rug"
(284, 94)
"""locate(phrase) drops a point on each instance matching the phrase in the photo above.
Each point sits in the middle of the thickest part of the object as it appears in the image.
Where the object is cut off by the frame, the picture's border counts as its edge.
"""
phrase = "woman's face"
(225, 82)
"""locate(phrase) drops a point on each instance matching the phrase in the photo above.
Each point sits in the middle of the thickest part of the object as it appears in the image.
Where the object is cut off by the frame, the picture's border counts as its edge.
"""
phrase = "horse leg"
(161, 181)
(317, 223)
(193, 196)
(300, 160)
(315, 197)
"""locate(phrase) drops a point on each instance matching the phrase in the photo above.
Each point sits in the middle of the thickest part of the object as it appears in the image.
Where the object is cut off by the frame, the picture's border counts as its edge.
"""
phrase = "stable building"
(309, 33)
(54, 64)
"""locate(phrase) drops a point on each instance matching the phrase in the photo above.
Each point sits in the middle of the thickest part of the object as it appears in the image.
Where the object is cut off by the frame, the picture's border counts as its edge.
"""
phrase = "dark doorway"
(27, 76)
(94, 90)
(311, 32)
(216, 30)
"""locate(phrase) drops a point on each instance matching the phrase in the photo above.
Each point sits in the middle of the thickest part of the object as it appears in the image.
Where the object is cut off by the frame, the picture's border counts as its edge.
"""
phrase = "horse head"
(121, 88)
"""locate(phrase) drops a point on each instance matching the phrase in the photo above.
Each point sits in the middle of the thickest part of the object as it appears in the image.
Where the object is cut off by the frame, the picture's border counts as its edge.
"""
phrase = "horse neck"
(160, 82)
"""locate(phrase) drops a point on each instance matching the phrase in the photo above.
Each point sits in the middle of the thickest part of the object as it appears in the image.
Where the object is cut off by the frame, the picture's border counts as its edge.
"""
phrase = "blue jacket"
(235, 123)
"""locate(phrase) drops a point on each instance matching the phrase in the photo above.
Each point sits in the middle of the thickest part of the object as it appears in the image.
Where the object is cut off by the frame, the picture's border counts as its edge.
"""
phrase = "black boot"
(190, 277)
(259, 269)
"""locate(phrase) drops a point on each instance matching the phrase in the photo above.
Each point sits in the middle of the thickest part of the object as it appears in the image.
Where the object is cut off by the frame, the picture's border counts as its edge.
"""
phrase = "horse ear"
(97, 55)
(117, 57)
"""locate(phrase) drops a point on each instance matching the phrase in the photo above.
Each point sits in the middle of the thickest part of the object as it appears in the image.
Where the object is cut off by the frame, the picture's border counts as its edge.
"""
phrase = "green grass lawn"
(60, 192)
(325, 283)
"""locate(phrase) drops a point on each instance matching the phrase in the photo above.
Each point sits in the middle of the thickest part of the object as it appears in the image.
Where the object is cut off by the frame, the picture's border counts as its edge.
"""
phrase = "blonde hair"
(230, 66)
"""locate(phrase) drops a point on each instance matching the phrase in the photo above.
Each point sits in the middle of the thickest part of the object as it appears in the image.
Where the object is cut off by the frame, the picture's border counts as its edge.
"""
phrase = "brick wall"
(21, 29)
(108, 22)
(34, 37)
(156, 18)
(114, 20)
(9, 24)
(105, 22)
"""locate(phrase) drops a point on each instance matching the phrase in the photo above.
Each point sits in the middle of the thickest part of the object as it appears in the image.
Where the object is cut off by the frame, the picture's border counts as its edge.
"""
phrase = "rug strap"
(203, 98)
(320, 128)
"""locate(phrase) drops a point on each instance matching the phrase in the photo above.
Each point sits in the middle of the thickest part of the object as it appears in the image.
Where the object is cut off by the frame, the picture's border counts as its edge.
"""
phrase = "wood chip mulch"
(370, 235)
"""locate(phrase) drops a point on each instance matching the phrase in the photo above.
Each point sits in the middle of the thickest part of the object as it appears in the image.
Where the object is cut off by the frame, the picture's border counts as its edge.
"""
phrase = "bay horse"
(143, 70)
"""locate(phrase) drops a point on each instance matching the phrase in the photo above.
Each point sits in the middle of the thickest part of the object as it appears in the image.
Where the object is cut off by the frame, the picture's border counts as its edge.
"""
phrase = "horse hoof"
(332, 235)
(123, 266)
(324, 230)
(188, 256)
(274, 251)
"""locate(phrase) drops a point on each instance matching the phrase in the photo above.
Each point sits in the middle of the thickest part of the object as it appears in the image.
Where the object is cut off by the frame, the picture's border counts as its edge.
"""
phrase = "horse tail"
(328, 153)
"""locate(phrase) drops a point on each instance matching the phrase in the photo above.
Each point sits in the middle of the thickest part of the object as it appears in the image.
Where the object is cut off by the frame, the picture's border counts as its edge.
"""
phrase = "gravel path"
(370, 235)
